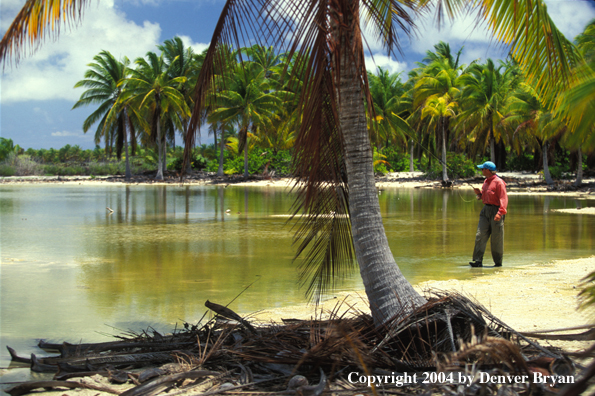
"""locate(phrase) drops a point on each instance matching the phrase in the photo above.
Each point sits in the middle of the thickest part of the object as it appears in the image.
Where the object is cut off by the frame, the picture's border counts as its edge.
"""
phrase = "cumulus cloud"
(196, 47)
(53, 70)
(385, 62)
(570, 17)
(67, 133)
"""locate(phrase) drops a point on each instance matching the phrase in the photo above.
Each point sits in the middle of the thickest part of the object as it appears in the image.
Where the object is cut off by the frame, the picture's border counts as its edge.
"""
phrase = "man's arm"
(503, 199)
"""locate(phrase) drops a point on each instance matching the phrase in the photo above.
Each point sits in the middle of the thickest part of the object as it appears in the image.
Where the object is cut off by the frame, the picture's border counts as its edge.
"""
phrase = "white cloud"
(67, 133)
(463, 30)
(385, 62)
(53, 70)
(570, 17)
(196, 47)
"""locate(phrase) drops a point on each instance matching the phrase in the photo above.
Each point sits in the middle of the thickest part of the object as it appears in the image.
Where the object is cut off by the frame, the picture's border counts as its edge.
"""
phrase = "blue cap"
(489, 165)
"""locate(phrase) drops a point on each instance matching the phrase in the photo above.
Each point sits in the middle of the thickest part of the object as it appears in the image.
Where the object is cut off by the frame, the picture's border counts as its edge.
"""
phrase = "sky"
(36, 96)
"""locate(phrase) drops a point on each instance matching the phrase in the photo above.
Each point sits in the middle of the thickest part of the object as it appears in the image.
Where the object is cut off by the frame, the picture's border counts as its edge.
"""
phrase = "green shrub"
(198, 162)
(104, 168)
(50, 170)
(458, 166)
(522, 162)
(399, 162)
(6, 170)
(560, 172)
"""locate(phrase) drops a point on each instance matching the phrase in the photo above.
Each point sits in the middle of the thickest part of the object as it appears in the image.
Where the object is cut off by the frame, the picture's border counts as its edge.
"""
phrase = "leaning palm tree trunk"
(388, 291)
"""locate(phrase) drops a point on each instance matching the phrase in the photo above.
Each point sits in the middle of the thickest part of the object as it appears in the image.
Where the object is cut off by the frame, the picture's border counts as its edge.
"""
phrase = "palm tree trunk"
(164, 154)
(492, 146)
(389, 293)
(128, 175)
(444, 173)
(159, 164)
(188, 153)
(222, 143)
(579, 169)
(546, 169)
(411, 168)
(246, 159)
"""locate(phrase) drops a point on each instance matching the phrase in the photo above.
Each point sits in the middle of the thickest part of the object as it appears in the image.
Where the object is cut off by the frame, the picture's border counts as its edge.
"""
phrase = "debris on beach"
(450, 346)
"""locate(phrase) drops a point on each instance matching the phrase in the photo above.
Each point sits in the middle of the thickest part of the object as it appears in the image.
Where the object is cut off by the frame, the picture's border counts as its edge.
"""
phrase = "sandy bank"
(519, 182)
(541, 296)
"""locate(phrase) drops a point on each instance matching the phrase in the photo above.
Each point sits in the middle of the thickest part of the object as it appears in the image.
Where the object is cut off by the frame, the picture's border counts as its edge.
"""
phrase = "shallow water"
(72, 271)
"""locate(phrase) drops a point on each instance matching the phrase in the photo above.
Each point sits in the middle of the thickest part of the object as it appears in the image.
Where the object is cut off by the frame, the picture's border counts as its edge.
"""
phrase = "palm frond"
(38, 20)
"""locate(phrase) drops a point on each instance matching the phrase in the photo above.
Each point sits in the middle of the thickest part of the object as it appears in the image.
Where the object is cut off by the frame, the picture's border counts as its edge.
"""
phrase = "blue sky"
(37, 96)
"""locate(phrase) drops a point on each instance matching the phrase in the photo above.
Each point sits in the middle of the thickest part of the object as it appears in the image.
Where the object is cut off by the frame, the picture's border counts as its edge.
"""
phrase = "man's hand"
(477, 193)
(497, 217)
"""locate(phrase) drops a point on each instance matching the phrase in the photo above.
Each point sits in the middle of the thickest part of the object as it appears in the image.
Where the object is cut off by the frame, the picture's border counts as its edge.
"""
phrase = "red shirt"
(493, 192)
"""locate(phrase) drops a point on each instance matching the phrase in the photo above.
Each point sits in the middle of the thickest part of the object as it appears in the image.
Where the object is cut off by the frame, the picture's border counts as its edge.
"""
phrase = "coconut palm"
(534, 118)
(246, 103)
(437, 89)
(104, 82)
(153, 89)
(486, 91)
(333, 152)
(183, 62)
(386, 90)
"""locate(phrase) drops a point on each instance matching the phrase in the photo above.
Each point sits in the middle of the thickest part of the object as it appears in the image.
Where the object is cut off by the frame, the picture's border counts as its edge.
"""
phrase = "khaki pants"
(489, 227)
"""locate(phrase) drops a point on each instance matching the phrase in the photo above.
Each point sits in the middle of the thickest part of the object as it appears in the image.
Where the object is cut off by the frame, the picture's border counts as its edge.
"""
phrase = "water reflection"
(72, 266)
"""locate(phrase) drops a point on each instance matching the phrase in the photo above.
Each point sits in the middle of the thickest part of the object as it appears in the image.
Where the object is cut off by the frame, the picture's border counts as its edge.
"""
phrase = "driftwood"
(229, 314)
(450, 333)
(157, 385)
(588, 335)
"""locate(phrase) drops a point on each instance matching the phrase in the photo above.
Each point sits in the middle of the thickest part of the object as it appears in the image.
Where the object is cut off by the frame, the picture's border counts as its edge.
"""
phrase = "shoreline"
(519, 183)
(530, 298)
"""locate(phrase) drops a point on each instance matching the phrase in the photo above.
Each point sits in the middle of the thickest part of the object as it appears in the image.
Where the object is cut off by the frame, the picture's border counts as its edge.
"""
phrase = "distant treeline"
(73, 160)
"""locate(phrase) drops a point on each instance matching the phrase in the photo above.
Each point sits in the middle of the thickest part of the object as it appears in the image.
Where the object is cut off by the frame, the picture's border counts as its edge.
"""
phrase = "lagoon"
(71, 270)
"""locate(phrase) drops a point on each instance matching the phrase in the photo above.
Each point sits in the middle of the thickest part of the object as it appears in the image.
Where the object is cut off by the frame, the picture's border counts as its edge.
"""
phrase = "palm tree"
(182, 62)
(386, 90)
(333, 150)
(104, 81)
(484, 98)
(246, 103)
(533, 116)
(437, 91)
(154, 90)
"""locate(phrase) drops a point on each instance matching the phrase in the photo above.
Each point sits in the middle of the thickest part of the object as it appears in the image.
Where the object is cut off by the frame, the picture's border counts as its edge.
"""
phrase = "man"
(491, 218)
